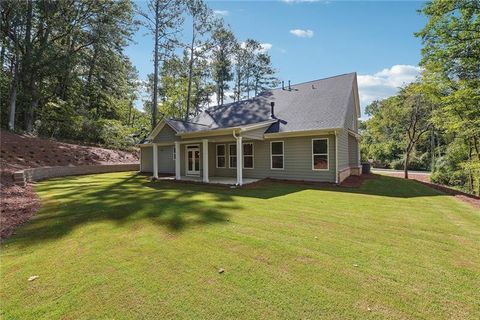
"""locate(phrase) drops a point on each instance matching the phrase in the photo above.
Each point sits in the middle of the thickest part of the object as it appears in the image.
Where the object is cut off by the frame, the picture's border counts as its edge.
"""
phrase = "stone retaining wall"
(42, 173)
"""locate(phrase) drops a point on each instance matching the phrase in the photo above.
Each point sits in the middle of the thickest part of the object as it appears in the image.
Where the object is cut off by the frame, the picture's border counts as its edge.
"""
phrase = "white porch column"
(205, 159)
(177, 160)
(239, 161)
(155, 161)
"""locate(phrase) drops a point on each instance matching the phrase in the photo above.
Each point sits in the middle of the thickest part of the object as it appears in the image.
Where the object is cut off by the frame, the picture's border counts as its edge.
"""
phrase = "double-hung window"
(174, 153)
(248, 155)
(232, 155)
(221, 155)
(320, 154)
(276, 155)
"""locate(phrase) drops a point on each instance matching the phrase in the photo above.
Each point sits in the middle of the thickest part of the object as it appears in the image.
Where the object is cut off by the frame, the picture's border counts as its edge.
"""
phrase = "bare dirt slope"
(19, 204)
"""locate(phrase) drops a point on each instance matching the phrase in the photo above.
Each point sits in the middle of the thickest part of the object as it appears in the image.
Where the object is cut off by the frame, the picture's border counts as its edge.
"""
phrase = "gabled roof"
(314, 105)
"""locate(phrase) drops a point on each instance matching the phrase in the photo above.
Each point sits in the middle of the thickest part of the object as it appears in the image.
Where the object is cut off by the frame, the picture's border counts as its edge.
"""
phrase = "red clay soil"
(19, 204)
(425, 179)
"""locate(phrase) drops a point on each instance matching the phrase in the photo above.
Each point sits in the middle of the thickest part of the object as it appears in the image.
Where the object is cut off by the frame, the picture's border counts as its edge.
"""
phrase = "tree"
(415, 115)
(163, 21)
(253, 70)
(451, 56)
(202, 23)
(263, 74)
(223, 48)
(397, 124)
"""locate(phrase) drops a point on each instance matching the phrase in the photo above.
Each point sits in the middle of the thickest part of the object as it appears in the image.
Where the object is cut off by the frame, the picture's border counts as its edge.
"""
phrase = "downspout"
(236, 143)
(336, 157)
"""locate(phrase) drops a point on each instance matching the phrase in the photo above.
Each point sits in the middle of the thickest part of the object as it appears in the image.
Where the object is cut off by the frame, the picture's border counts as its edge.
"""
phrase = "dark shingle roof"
(313, 105)
(184, 126)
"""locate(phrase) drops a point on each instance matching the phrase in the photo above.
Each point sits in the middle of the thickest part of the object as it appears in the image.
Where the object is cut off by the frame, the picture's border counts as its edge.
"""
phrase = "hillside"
(19, 152)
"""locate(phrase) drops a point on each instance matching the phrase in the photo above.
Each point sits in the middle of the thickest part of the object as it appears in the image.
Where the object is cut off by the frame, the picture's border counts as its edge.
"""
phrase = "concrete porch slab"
(213, 180)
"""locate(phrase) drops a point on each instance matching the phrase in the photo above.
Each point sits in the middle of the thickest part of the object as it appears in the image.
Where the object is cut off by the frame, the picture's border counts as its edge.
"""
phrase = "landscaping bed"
(18, 152)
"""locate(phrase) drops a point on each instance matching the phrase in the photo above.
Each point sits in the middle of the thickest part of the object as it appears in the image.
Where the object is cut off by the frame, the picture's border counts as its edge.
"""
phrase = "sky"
(311, 39)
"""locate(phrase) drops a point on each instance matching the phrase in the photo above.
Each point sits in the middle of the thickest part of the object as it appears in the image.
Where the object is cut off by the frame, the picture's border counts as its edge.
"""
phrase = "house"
(306, 131)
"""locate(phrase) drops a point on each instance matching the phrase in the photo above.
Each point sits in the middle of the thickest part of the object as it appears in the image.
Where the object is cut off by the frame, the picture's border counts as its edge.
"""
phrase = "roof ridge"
(336, 76)
(185, 121)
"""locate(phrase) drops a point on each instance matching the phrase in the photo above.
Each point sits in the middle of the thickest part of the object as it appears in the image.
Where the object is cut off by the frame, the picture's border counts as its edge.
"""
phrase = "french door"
(193, 160)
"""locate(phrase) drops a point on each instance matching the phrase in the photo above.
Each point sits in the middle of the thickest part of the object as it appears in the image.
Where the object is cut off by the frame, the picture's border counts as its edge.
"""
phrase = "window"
(232, 159)
(221, 155)
(276, 155)
(320, 154)
(174, 153)
(248, 155)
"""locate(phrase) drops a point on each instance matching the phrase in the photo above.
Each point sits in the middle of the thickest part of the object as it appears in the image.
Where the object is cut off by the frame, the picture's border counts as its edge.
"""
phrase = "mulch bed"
(17, 152)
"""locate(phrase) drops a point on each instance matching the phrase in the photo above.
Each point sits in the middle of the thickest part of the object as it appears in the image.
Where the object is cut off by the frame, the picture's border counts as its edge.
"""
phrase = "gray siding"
(351, 116)
(146, 159)
(297, 161)
(352, 151)
(166, 164)
(167, 134)
(343, 161)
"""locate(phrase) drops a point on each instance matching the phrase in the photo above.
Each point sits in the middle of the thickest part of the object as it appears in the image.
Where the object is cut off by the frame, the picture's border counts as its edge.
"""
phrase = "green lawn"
(118, 246)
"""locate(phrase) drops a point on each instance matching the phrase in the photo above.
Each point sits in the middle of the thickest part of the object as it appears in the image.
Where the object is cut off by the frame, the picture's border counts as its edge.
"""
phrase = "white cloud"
(302, 33)
(264, 47)
(221, 12)
(385, 83)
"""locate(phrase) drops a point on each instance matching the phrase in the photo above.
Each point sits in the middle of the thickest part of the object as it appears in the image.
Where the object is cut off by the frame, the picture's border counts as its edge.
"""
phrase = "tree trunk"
(406, 162)
(13, 99)
(470, 175)
(155, 67)
(190, 71)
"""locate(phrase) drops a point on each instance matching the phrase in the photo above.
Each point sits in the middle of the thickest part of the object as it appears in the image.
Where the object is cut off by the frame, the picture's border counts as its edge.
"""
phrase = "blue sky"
(315, 39)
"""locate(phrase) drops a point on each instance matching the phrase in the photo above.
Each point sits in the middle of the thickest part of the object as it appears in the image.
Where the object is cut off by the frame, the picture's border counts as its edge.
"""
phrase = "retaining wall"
(42, 173)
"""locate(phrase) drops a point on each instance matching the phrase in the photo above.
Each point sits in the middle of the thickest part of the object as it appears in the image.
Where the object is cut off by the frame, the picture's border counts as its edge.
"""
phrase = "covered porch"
(202, 156)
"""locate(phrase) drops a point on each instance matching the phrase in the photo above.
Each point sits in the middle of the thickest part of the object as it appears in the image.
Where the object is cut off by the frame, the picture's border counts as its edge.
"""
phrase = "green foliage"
(72, 69)
(397, 128)
(451, 58)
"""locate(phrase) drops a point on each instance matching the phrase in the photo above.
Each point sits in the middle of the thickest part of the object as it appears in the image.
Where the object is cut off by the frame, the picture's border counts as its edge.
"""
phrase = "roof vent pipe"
(289, 88)
(272, 109)
(283, 86)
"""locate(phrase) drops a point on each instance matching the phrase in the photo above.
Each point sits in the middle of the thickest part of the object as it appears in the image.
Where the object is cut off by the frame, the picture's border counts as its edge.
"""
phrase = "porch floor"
(213, 180)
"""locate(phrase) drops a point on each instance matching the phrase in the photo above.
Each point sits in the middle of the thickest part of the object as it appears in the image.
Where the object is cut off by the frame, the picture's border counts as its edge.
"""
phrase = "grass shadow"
(70, 203)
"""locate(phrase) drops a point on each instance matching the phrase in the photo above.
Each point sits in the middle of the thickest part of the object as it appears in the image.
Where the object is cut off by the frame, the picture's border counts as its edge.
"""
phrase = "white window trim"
(229, 162)
(186, 161)
(321, 154)
(217, 156)
(283, 155)
(252, 155)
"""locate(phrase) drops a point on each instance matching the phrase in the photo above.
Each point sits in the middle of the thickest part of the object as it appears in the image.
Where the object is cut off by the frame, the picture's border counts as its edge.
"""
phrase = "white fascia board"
(302, 133)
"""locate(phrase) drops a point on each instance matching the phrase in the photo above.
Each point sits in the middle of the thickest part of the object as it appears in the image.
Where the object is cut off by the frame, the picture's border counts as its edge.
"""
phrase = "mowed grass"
(116, 246)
